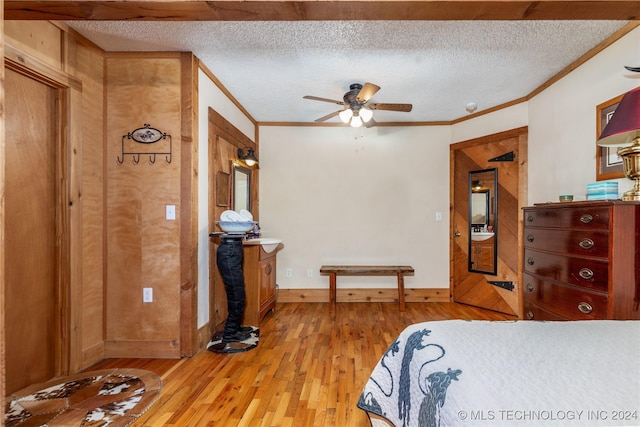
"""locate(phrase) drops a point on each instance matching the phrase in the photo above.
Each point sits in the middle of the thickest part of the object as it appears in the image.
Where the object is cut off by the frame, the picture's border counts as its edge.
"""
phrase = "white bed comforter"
(523, 373)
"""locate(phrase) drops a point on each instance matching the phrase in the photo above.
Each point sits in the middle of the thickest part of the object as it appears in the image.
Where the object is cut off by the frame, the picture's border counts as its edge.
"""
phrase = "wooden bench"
(366, 270)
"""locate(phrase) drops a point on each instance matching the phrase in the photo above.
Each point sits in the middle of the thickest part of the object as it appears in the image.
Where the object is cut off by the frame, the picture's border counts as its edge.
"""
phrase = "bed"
(514, 373)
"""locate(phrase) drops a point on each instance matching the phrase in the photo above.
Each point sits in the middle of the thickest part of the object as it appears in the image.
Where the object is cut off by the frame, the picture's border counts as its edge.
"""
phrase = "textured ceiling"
(438, 66)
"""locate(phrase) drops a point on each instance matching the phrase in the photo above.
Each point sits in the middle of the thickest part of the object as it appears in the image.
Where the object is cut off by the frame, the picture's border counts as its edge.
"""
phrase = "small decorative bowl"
(236, 226)
(566, 198)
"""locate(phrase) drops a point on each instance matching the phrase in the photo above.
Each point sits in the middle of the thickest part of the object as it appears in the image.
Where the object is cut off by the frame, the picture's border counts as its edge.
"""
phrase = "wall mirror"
(483, 224)
(241, 188)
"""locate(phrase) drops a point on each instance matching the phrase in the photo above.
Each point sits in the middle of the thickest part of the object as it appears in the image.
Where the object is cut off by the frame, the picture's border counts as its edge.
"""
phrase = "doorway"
(498, 288)
(34, 235)
(224, 141)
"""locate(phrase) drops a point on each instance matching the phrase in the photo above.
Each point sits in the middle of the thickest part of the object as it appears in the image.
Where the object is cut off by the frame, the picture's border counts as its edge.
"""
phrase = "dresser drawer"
(587, 273)
(566, 301)
(533, 312)
(570, 242)
(587, 217)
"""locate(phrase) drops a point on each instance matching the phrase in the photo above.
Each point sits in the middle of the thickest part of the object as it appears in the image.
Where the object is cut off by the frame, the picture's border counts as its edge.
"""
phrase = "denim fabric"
(229, 259)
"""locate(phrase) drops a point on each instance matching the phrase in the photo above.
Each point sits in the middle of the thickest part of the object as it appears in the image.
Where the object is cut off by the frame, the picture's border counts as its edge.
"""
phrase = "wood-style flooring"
(308, 369)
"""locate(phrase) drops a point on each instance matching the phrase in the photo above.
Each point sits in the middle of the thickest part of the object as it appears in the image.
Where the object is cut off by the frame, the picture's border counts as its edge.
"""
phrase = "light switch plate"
(147, 294)
(171, 212)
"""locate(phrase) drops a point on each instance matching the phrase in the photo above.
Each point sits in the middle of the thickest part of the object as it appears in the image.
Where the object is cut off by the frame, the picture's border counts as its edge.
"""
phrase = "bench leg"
(332, 290)
(401, 291)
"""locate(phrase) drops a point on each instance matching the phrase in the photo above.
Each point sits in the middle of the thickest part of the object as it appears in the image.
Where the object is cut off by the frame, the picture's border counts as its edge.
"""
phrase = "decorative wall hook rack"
(145, 135)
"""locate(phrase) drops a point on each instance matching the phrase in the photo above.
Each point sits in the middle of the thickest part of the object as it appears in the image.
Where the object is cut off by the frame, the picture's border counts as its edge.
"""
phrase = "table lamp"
(623, 131)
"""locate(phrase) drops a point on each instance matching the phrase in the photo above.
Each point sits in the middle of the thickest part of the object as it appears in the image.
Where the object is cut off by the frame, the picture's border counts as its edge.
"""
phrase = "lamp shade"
(345, 115)
(356, 121)
(250, 158)
(366, 114)
(624, 125)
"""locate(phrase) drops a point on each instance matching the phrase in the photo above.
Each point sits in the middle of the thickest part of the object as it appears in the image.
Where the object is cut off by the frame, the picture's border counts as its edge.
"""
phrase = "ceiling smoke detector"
(471, 107)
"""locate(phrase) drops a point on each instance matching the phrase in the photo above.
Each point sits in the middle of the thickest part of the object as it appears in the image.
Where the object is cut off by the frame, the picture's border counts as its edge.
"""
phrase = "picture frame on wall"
(608, 163)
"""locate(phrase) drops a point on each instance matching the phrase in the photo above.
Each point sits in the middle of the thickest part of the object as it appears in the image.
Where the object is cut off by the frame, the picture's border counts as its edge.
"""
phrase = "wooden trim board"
(363, 295)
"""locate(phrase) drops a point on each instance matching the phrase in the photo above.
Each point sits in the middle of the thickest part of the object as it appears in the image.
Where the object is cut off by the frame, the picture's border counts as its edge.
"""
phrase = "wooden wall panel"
(190, 342)
(125, 228)
(41, 39)
(88, 66)
(143, 248)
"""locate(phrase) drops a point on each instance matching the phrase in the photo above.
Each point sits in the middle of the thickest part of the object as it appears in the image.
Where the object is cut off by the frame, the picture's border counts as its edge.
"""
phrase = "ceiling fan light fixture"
(366, 114)
(345, 115)
(353, 105)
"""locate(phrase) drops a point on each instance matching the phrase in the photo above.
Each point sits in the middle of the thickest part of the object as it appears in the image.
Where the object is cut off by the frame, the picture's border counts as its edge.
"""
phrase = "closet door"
(501, 291)
(31, 249)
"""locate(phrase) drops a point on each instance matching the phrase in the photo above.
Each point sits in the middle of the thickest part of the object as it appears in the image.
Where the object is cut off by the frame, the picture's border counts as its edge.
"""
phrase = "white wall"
(562, 122)
(209, 95)
(512, 117)
(339, 195)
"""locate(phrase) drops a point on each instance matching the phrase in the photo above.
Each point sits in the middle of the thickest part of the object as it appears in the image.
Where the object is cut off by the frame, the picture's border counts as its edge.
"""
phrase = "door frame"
(222, 156)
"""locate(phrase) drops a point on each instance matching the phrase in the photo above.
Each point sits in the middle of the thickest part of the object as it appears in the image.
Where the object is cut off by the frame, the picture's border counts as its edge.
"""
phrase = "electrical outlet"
(288, 272)
(147, 294)
(309, 272)
(438, 216)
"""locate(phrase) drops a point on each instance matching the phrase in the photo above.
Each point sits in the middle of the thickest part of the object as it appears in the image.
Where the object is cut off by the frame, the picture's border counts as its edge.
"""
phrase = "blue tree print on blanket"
(368, 402)
(434, 393)
(433, 386)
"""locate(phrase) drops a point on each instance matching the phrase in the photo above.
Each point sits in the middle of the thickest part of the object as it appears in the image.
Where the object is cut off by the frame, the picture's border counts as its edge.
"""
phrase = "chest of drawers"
(582, 261)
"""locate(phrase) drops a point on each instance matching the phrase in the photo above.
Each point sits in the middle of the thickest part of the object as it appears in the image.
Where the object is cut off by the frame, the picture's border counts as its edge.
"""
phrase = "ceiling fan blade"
(391, 107)
(328, 116)
(367, 91)
(371, 123)
(317, 98)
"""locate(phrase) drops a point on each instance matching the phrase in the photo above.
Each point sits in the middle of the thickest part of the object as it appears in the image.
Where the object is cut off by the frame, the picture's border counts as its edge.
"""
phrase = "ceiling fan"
(357, 110)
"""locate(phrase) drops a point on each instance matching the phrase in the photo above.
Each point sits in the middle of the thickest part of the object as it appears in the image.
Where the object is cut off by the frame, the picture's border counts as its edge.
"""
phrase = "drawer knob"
(586, 243)
(530, 261)
(529, 287)
(529, 315)
(586, 218)
(530, 238)
(586, 273)
(530, 218)
(585, 308)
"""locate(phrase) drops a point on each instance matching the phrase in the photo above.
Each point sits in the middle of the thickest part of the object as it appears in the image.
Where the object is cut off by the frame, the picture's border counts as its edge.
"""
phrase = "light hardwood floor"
(308, 369)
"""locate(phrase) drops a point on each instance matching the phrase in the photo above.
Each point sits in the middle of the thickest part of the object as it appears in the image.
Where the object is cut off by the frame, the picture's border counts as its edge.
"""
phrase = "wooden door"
(31, 241)
(476, 288)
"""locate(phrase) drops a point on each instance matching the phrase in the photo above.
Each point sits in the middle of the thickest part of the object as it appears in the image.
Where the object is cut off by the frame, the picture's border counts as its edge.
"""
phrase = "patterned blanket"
(523, 373)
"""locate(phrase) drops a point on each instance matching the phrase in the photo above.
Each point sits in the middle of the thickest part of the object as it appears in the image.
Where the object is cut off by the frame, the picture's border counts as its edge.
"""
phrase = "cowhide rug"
(112, 397)
(217, 346)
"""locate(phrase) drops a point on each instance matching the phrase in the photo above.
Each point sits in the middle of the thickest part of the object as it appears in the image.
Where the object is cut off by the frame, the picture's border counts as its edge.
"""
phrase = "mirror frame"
(239, 171)
(491, 198)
